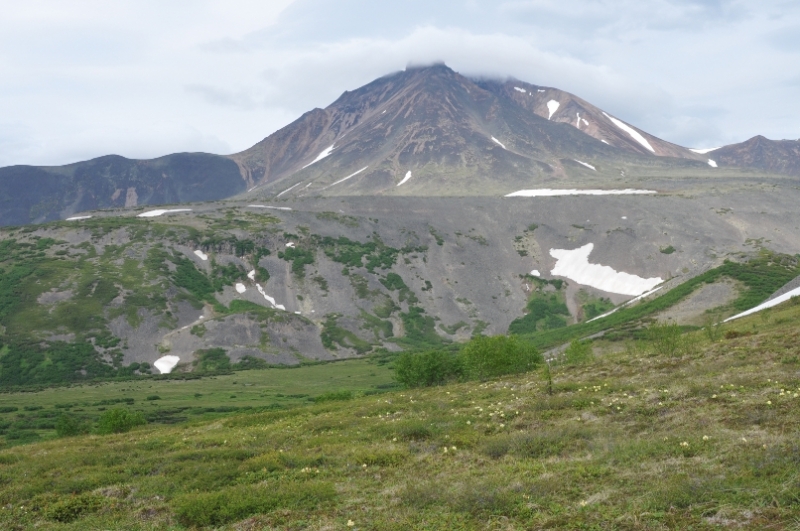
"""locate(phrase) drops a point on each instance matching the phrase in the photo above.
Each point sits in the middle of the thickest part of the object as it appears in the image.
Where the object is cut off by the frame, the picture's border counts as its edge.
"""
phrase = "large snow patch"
(574, 265)
(161, 212)
(166, 364)
(548, 192)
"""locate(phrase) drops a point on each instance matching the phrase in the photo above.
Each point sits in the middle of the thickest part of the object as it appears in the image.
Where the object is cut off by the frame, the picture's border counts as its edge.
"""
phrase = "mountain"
(762, 154)
(425, 131)
(455, 135)
(30, 194)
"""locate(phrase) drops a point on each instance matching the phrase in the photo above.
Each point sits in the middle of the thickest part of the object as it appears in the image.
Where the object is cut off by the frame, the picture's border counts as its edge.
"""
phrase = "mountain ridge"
(422, 131)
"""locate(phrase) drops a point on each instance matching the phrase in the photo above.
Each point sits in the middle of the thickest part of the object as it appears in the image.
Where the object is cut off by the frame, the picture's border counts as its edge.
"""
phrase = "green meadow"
(622, 435)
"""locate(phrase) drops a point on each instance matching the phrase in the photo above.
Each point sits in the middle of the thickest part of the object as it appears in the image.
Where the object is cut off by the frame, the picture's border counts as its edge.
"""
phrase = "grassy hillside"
(626, 437)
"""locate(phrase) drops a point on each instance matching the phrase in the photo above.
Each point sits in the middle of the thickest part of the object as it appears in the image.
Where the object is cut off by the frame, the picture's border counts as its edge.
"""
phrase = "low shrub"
(119, 420)
(239, 502)
(488, 357)
(72, 508)
(334, 395)
(429, 368)
(69, 425)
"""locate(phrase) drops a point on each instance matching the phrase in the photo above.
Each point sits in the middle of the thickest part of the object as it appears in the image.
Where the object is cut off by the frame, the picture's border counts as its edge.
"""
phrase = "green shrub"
(236, 503)
(578, 352)
(434, 367)
(153, 397)
(69, 425)
(334, 395)
(119, 420)
(212, 360)
(487, 357)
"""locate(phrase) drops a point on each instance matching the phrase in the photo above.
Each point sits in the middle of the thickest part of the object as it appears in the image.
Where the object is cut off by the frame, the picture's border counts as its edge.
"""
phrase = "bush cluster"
(483, 357)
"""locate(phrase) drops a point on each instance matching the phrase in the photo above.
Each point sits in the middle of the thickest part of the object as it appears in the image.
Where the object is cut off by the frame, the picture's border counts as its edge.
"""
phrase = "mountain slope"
(456, 136)
(30, 194)
(759, 153)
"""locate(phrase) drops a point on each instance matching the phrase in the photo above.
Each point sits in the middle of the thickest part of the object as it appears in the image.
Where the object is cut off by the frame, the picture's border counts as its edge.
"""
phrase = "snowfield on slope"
(161, 212)
(325, 152)
(406, 178)
(272, 207)
(549, 192)
(348, 177)
(201, 255)
(631, 131)
(498, 143)
(769, 304)
(76, 218)
(552, 106)
(574, 265)
(166, 364)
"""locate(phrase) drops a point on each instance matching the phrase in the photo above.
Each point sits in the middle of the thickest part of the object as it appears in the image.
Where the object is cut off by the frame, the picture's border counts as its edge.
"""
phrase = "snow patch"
(280, 194)
(640, 297)
(604, 142)
(535, 273)
(518, 89)
(539, 90)
(547, 192)
(578, 120)
(631, 131)
(712, 163)
(769, 304)
(574, 265)
(267, 206)
(200, 254)
(348, 177)
(161, 212)
(498, 143)
(704, 150)
(585, 164)
(240, 287)
(325, 152)
(252, 275)
(270, 299)
(76, 218)
(406, 178)
(584, 121)
(552, 106)
(624, 217)
(290, 245)
(166, 364)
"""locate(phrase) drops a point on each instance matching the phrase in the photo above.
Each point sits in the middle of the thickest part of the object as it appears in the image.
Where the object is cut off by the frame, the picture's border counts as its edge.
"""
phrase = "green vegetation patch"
(546, 309)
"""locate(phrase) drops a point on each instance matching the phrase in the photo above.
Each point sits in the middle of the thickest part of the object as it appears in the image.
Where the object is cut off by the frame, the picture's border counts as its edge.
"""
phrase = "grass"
(29, 415)
(627, 440)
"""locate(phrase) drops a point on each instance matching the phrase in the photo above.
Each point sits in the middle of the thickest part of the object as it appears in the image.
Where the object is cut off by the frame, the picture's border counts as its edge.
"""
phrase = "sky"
(85, 78)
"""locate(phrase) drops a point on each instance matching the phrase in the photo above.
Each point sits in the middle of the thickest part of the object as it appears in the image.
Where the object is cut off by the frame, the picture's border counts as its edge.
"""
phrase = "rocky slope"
(31, 194)
(762, 154)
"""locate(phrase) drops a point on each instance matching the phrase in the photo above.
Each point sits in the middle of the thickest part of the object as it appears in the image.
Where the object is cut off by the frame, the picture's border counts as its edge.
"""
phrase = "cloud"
(144, 78)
